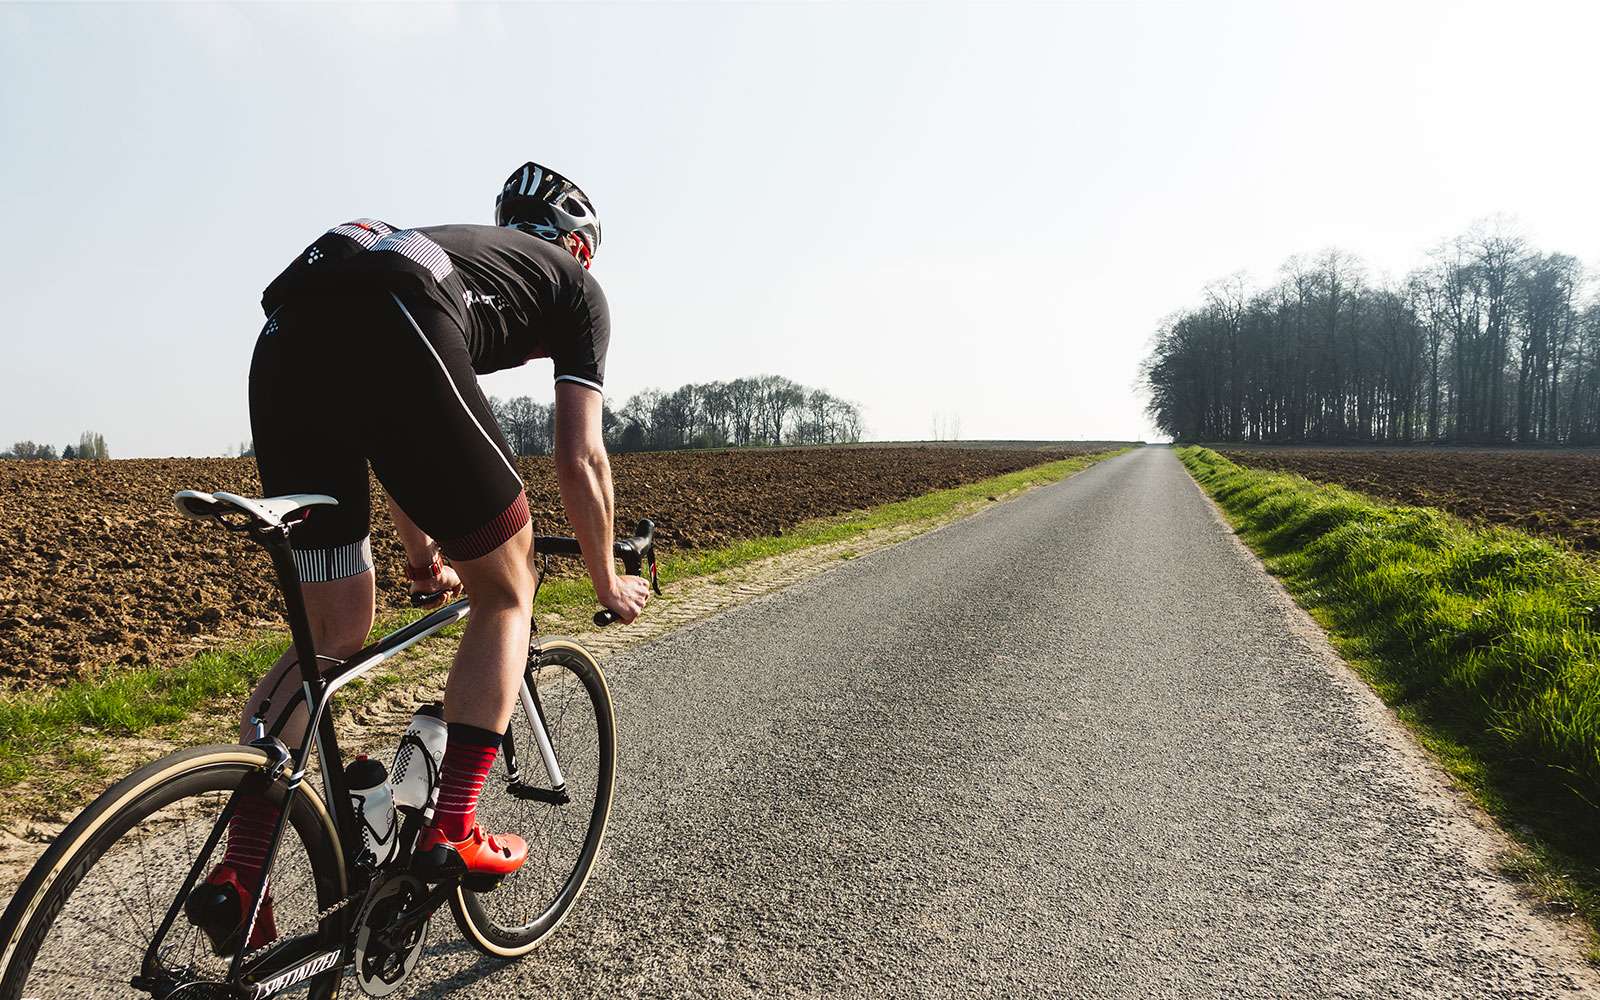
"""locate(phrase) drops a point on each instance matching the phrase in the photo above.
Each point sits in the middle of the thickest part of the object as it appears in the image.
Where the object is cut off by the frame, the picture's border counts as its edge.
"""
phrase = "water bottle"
(416, 762)
(373, 801)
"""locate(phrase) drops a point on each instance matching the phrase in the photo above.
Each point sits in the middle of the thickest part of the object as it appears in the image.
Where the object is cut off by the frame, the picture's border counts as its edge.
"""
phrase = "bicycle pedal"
(216, 910)
(481, 883)
(438, 864)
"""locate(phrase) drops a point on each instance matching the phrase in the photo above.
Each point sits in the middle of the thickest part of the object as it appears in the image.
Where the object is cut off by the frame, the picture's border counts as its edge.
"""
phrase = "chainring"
(382, 964)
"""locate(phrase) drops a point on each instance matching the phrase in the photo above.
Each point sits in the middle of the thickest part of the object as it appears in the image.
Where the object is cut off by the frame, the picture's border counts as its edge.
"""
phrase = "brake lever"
(439, 598)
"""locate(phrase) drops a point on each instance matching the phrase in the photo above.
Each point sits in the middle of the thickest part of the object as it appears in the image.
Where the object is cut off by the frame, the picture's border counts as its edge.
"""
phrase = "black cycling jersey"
(327, 383)
(514, 295)
(369, 311)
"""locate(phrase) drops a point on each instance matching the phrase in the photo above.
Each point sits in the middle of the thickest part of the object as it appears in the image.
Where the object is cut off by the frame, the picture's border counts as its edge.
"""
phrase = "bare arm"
(421, 551)
(584, 474)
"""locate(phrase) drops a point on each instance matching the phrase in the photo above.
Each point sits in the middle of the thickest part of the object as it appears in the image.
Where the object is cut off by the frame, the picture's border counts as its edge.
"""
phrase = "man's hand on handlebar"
(628, 598)
(450, 588)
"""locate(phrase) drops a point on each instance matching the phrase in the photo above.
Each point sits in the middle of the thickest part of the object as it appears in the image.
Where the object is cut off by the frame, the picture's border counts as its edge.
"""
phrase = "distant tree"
(673, 417)
(716, 411)
(247, 449)
(827, 419)
(610, 424)
(742, 396)
(635, 421)
(67, 454)
(92, 446)
(767, 409)
(1491, 341)
(778, 397)
(529, 427)
(29, 451)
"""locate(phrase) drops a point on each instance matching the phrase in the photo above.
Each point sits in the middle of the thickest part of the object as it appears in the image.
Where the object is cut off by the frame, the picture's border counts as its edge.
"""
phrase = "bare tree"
(768, 409)
(529, 427)
(1486, 343)
(777, 398)
(30, 451)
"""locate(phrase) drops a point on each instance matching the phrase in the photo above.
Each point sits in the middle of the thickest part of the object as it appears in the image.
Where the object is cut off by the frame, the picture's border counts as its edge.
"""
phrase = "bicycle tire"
(82, 920)
(563, 840)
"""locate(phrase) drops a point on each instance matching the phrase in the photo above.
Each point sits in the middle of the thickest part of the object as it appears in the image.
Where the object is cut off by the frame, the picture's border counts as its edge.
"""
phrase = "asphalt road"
(1078, 745)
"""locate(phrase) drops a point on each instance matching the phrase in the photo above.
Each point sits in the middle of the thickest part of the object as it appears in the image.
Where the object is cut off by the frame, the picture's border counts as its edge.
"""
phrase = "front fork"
(534, 709)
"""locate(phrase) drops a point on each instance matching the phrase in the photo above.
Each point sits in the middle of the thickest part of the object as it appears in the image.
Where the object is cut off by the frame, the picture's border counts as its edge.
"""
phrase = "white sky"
(971, 209)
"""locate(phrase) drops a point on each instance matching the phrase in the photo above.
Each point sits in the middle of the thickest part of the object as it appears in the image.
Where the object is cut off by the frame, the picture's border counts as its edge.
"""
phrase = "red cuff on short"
(492, 535)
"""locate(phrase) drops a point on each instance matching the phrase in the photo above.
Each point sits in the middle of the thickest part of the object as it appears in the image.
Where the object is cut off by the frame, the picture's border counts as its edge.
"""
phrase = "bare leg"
(341, 613)
(483, 683)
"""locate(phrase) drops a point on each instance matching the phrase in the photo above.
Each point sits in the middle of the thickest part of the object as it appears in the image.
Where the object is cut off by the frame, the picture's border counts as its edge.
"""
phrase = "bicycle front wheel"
(100, 915)
(563, 824)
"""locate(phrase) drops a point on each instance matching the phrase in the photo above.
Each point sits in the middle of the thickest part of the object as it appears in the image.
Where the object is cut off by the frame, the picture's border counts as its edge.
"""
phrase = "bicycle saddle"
(268, 513)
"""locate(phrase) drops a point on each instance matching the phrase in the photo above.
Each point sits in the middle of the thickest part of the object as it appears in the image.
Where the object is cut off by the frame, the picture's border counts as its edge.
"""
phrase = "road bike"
(102, 913)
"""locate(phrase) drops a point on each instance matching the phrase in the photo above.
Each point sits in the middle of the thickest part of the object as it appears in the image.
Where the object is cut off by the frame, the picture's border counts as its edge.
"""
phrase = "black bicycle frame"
(316, 691)
(317, 688)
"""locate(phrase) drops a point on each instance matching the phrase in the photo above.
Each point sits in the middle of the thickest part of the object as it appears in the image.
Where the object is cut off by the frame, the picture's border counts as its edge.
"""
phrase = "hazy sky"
(973, 209)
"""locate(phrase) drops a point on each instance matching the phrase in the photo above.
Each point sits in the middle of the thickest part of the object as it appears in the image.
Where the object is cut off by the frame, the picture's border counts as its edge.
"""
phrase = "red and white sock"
(468, 755)
(250, 835)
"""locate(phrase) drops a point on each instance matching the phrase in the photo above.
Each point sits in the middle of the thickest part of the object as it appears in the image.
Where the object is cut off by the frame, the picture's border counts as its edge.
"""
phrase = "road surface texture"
(1078, 745)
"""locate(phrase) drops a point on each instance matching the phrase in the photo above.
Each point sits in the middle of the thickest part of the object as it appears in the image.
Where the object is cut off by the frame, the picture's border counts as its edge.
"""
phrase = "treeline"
(90, 445)
(1490, 342)
(764, 410)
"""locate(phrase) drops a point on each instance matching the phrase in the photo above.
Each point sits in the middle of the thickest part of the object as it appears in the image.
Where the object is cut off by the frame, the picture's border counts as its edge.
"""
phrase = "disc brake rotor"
(382, 961)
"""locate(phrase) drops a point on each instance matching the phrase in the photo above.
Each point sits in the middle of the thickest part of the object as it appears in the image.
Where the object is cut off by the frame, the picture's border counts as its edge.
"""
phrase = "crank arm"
(401, 927)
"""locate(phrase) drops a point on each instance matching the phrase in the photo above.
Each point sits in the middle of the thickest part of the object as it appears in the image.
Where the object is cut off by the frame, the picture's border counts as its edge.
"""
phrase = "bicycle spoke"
(144, 866)
(98, 927)
(562, 837)
(133, 914)
(91, 938)
(79, 975)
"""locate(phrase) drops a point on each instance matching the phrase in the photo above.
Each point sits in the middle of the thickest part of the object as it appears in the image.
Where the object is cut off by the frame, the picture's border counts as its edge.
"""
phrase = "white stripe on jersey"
(470, 416)
(413, 245)
(364, 231)
(581, 381)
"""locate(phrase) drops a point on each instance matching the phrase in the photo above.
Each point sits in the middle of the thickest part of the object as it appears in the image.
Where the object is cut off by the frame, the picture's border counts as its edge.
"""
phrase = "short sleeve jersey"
(514, 295)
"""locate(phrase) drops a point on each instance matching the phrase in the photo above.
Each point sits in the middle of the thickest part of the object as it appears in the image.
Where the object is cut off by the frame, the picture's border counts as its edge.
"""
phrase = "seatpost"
(319, 728)
(276, 541)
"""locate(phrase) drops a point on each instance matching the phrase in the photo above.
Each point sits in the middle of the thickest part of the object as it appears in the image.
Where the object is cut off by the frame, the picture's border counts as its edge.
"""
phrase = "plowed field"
(1555, 494)
(97, 568)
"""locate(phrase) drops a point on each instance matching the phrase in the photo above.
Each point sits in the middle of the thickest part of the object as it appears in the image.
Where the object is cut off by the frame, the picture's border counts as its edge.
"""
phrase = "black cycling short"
(342, 380)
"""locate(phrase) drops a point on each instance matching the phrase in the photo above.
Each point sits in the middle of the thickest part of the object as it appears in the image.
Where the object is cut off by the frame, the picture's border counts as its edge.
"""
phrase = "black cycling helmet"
(540, 201)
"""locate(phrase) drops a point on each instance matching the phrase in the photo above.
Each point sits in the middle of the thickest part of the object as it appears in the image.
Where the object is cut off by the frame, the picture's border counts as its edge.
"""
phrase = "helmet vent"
(538, 200)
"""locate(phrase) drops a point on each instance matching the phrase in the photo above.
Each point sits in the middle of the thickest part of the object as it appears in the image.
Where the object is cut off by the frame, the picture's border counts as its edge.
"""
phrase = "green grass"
(46, 729)
(1485, 641)
(34, 725)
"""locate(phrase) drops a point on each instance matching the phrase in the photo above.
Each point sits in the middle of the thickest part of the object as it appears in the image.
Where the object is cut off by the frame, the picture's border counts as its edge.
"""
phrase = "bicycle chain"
(317, 919)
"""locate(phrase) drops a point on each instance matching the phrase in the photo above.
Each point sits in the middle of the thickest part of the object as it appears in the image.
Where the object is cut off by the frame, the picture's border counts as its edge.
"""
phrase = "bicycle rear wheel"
(563, 829)
(85, 922)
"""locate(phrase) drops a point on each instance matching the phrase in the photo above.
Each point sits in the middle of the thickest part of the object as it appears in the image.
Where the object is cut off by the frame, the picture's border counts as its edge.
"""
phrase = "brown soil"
(1555, 494)
(97, 568)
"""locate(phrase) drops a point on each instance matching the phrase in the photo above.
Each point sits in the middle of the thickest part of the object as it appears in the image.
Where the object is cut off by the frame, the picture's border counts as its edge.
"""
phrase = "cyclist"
(373, 341)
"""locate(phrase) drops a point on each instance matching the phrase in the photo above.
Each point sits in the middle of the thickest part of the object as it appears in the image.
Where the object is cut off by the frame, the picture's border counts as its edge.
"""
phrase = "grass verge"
(48, 728)
(1486, 642)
